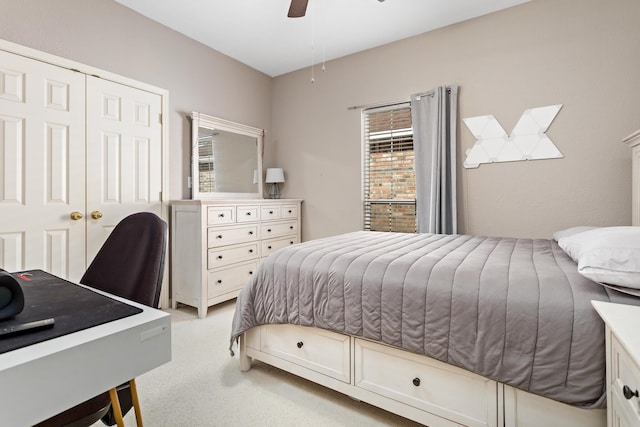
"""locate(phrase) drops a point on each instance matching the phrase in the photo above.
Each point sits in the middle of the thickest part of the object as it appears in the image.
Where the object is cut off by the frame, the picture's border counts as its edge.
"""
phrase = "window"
(389, 178)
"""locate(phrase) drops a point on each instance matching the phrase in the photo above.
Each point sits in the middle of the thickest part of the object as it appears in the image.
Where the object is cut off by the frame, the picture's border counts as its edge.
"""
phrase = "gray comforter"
(513, 310)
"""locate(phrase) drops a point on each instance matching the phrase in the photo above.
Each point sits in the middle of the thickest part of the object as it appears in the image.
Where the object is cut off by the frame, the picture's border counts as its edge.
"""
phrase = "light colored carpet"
(203, 386)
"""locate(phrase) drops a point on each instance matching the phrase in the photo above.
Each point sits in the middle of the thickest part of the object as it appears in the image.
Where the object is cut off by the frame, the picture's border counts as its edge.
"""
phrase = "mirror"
(226, 159)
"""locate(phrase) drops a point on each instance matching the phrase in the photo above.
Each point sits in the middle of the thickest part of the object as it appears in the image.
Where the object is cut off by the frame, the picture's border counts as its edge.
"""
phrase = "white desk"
(44, 379)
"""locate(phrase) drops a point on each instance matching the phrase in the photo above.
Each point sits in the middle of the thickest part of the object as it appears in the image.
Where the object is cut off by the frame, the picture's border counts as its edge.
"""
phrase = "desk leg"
(115, 405)
(136, 401)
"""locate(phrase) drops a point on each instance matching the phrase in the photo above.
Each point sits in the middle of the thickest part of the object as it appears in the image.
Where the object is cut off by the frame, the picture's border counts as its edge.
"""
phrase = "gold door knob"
(75, 215)
(96, 214)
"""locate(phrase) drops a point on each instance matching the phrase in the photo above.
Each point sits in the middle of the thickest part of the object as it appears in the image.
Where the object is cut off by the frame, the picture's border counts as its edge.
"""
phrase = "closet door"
(42, 150)
(124, 156)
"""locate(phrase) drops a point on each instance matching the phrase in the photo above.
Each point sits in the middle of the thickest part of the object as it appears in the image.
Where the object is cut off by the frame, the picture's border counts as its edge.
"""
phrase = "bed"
(444, 330)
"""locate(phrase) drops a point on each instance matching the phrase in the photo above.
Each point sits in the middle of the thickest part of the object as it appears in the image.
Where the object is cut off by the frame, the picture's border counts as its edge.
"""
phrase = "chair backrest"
(130, 263)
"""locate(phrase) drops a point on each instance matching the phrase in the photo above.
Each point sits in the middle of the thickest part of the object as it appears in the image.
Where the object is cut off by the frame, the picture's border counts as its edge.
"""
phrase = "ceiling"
(259, 34)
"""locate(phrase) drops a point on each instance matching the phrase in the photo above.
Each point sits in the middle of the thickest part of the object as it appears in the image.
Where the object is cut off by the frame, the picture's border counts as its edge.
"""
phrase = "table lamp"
(274, 177)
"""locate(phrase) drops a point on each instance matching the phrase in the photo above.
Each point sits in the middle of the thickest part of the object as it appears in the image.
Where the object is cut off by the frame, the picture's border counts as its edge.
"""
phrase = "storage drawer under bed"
(425, 383)
(322, 351)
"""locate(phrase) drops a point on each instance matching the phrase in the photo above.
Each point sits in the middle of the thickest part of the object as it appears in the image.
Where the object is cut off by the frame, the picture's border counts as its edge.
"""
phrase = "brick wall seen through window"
(389, 184)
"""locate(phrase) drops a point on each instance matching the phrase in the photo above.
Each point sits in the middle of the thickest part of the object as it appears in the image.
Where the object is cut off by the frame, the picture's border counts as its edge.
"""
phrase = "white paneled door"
(124, 156)
(77, 154)
(42, 170)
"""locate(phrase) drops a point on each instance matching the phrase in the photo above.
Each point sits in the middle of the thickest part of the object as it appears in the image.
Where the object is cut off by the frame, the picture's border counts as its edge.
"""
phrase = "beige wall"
(106, 35)
(582, 54)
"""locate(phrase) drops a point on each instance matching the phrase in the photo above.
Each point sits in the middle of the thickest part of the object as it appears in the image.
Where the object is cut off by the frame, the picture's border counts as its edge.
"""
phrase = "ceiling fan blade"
(298, 8)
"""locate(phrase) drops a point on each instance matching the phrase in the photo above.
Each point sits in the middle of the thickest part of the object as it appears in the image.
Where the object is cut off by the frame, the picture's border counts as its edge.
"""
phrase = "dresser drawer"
(424, 383)
(625, 375)
(229, 279)
(220, 215)
(319, 350)
(231, 235)
(621, 412)
(289, 211)
(270, 212)
(270, 246)
(279, 229)
(219, 257)
(247, 214)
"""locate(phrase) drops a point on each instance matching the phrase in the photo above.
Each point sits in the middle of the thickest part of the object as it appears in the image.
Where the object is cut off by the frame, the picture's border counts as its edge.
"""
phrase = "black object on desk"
(73, 307)
(11, 296)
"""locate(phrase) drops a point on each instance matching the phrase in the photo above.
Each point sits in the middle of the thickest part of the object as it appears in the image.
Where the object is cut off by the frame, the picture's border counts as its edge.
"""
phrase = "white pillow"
(607, 255)
(570, 232)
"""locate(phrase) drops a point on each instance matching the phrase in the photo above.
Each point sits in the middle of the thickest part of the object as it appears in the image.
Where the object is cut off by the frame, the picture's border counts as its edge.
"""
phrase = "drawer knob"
(251, 233)
(250, 273)
(290, 210)
(628, 393)
(219, 280)
(291, 227)
(248, 213)
(219, 256)
(416, 382)
(221, 215)
(219, 236)
(270, 212)
(268, 230)
(300, 344)
(291, 243)
(250, 251)
(268, 247)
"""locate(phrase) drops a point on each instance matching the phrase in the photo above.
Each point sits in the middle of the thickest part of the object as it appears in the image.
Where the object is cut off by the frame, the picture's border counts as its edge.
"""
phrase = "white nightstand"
(623, 362)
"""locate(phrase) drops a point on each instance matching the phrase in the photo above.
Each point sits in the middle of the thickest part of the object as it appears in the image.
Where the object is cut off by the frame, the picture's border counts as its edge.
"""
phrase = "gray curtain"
(434, 116)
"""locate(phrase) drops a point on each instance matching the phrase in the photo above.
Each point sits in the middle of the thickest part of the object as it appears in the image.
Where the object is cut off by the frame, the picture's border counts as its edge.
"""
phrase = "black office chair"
(130, 264)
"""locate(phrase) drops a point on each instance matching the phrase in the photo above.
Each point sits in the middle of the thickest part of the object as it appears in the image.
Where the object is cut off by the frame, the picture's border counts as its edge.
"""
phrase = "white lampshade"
(274, 175)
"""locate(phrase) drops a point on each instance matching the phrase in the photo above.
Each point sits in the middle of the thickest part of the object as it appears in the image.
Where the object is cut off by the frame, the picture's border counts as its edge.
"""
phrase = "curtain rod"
(429, 93)
(390, 103)
(377, 104)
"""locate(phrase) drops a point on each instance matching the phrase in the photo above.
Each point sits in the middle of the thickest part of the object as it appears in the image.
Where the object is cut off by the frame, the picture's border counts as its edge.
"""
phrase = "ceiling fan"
(298, 8)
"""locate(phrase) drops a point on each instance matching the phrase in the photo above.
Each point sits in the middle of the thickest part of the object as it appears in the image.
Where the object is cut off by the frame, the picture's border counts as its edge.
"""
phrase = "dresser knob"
(291, 243)
(248, 213)
(251, 233)
(219, 281)
(290, 211)
(221, 215)
(291, 227)
(416, 382)
(250, 273)
(219, 256)
(268, 230)
(628, 393)
(250, 251)
(270, 212)
(300, 344)
(219, 236)
(268, 247)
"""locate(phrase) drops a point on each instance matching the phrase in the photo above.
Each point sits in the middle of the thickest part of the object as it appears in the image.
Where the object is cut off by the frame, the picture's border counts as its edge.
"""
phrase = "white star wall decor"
(527, 141)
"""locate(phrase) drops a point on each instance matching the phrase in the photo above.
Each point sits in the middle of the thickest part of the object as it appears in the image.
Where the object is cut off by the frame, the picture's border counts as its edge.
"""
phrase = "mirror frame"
(199, 120)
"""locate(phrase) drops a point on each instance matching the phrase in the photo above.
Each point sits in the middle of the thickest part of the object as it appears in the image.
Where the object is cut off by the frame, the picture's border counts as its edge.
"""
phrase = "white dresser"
(623, 363)
(216, 245)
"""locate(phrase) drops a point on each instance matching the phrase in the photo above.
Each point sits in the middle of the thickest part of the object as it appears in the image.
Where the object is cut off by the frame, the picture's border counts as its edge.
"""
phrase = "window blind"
(389, 184)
